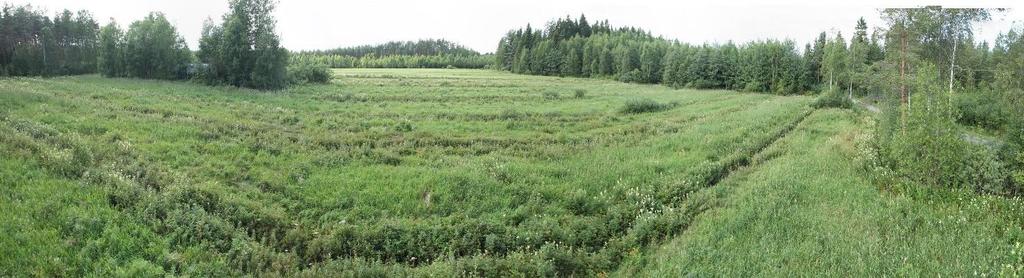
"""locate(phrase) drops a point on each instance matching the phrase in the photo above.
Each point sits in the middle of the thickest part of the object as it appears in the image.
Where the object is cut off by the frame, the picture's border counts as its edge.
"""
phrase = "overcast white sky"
(479, 24)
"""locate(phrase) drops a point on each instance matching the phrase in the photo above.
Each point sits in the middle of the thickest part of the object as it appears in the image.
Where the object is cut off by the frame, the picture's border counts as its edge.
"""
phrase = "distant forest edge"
(429, 53)
(574, 47)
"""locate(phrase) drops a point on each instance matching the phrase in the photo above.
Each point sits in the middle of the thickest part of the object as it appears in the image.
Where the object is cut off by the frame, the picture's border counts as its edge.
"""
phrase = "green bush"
(580, 93)
(1018, 173)
(634, 76)
(982, 109)
(833, 99)
(404, 126)
(309, 73)
(646, 105)
(1013, 154)
(925, 145)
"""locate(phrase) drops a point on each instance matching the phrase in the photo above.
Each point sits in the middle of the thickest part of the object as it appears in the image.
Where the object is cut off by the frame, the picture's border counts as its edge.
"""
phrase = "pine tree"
(585, 29)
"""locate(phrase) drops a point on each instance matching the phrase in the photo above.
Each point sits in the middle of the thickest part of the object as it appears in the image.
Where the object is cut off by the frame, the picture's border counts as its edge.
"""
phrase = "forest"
(574, 149)
(428, 53)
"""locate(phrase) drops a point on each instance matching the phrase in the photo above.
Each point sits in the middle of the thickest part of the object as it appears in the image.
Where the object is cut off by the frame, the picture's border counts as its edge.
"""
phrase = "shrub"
(646, 105)
(404, 126)
(982, 109)
(634, 76)
(580, 93)
(511, 114)
(1013, 154)
(925, 145)
(309, 73)
(1018, 173)
(833, 99)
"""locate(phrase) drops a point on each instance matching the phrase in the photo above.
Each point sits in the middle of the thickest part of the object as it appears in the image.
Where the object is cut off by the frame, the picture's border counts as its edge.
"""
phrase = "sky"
(480, 24)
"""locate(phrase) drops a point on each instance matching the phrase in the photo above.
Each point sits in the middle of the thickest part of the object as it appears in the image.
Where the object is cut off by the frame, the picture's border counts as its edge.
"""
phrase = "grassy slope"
(811, 211)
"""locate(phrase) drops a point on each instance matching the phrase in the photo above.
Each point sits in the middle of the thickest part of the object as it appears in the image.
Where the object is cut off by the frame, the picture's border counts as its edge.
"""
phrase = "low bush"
(551, 95)
(1018, 173)
(634, 76)
(833, 99)
(982, 109)
(646, 105)
(1013, 153)
(309, 73)
(580, 93)
(925, 145)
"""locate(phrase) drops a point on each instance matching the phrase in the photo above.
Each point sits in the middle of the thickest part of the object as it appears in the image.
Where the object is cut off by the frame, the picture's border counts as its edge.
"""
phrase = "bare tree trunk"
(46, 67)
(830, 79)
(903, 79)
(850, 90)
(952, 64)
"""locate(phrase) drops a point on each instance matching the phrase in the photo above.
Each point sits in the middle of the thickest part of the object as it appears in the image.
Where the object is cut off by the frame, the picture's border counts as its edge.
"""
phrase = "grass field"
(395, 169)
(810, 208)
(454, 172)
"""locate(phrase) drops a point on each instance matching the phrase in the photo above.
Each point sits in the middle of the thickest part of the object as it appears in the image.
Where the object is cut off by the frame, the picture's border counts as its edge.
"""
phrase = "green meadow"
(434, 172)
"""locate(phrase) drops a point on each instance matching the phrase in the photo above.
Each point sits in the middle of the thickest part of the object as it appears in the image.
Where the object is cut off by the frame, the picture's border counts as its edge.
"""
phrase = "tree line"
(243, 50)
(34, 44)
(395, 61)
(427, 47)
(573, 47)
(430, 53)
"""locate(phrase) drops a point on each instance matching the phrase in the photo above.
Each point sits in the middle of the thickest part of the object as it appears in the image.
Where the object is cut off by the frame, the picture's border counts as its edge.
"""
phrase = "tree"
(834, 63)
(111, 60)
(932, 34)
(813, 55)
(585, 30)
(153, 49)
(210, 52)
(245, 51)
(1008, 57)
(572, 65)
(271, 60)
(650, 62)
(857, 59)
(627, 59)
